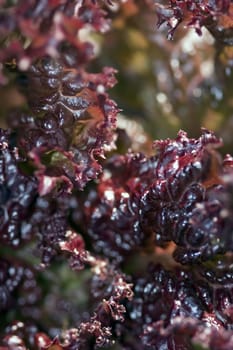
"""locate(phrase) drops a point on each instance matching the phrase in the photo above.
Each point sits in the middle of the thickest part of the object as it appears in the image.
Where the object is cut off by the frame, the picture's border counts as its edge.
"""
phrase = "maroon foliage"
(47, 28)
(196, 14)
(112, 213)
(17, 194)
(175, 309)
(18, 288)
(172, 209)
(161, 196)
(72, 126)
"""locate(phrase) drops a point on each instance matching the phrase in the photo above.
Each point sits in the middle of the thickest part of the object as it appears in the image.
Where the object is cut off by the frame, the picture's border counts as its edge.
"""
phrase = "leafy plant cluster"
(107, 239)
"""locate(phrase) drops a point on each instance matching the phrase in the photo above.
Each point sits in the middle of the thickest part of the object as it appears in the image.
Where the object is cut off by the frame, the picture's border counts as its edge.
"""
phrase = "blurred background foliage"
(166, 85)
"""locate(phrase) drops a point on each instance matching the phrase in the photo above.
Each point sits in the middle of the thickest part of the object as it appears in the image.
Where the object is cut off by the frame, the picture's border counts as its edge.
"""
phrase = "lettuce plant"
(107, 239)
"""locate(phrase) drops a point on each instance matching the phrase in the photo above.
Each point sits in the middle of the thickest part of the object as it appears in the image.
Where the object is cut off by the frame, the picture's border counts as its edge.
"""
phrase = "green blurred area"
(168, 85)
